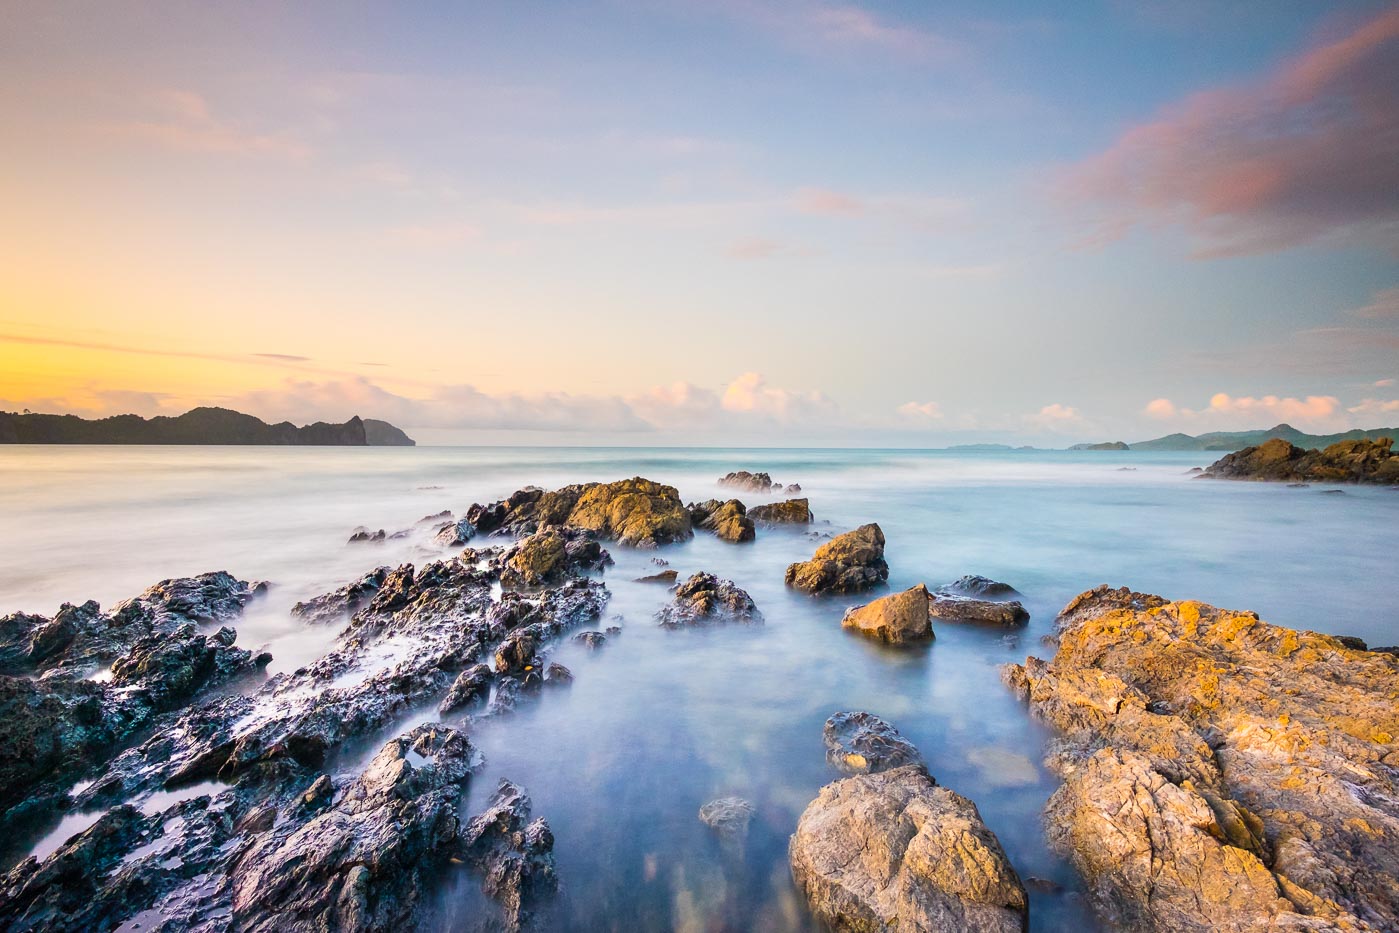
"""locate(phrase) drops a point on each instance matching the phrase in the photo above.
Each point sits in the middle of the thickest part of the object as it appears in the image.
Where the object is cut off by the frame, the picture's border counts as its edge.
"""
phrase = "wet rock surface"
(848, 563)
(340, 604)
(897, 619)
(748, 482)
(787, 512)
(704, 599)
(976, 586)
(1355, 461)
(550, 554)
(728, 520)
(953, 608)
(636, 512)
(514, 854)
(1220, 773)
(728, 817)
(894, 851)
(862, 743)
(665, 576)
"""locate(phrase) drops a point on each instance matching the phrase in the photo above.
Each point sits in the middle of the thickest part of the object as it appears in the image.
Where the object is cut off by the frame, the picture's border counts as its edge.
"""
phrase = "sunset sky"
(735, 221)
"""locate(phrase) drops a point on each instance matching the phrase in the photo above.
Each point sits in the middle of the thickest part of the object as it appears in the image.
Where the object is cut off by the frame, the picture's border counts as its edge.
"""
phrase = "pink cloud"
(183, 120)
(1248, 411)
(1384, 304)
(1162, 408)
(842, 26)
(1375, 406)
(921, 411)
(754, 247)
(825, 201)
(1311, 150)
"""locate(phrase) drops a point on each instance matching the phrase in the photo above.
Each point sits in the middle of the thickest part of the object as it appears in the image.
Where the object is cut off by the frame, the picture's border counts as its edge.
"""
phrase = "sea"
(659, 722)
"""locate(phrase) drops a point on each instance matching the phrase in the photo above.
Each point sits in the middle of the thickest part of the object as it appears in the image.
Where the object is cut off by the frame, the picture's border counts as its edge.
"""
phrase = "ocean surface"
(659, 722)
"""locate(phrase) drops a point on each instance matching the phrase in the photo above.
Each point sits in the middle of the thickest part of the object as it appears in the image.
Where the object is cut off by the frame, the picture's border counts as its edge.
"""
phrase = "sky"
(648, 222)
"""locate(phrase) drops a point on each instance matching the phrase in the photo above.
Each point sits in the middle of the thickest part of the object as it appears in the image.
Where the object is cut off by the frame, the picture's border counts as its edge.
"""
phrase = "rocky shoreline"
(1218, 772)
(1353, 461)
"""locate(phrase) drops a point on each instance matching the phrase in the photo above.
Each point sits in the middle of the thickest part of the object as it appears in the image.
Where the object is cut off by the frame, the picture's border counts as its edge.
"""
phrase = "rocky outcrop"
(472, 685)
(897, 619)
(513, 853)
(339, 604)
(1353, 461)
(550, 554)
(976, 586)
(748, 482)
(704, 599)
(454, 533)
(952, 608)
(665, 576)
(728, 520)
(786, 512)
(862, 743)
(894, 851)
(1220, 773)
(633, 511)
(848, 563)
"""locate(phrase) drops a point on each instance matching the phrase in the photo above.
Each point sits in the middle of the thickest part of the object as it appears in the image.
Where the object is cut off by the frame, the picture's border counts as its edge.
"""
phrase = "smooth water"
(658, 722)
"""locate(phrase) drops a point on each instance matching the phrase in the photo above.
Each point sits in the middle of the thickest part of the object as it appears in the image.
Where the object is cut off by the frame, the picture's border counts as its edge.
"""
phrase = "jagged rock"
(454, 533)
(362, 862)
(847, 563)
(728, 520)
(976, 586)
(516, 653)
(515, 854)
(902, 617)
(748, 482)
(1355, 461)
(436, 519)
(365, 536)
(471, 686)
(980, 611)
(1220, 773)
(634, 511)
(665, 576)
(338, 605)
(590, 640)
(787, 512)
(550, 554)
(729, 818)
(862, 743)
(793, 489)
(558, 675)
(894, 851)
(705, 599)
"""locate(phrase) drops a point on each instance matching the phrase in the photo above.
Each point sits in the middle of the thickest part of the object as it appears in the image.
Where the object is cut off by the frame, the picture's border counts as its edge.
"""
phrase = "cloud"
(823, 201)
(1058, 413)
(285, 357)
(183, 120)
(1309, 151)
(1161, 408)
(1247, 411)
(754, 247)
(1383, 305)
(1383, 383)
(751, 394)
(1374, 406)
(822, 27)
(920, 411)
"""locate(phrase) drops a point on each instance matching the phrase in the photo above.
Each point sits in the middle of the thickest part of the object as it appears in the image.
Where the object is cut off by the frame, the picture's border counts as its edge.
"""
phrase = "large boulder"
(1353, 461)
(862, 743)
(847, 563)
(514, 854)
(894, 851)
(728, 520)
(978, 587)
(1220, 773)
(632, 511)
(748, 482)
(787, 512)
(902, 617)
(952, 608)
(704, 599)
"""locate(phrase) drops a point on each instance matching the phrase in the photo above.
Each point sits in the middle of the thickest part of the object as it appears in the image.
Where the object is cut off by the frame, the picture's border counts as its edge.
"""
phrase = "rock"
(980, 611)
(1355, 461)
(1220, 773)
(454, 533)
(336, 606)
(728, 520)
(894, 851)
(635, 511)
(471, 686)
(559, 676)
(436, 519)
(861, 743)
(590, 640)
(321, 791)
(729, 818)
(787, 512)
(362, 862)
(900, 618)
(847, 563)
(748, 482)
(979, 587)
(365, 536)
(793, 489)
(516, 652)
(665, 576)
(704, 599)
(515, 855)
(549, 555)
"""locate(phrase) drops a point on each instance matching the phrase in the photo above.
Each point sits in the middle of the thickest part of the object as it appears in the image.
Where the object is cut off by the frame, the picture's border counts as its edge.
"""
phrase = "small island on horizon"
(205, 425)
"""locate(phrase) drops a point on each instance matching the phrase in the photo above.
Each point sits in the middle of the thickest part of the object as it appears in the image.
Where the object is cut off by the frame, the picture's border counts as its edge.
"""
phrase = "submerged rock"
(514, 854)
(728, 520)
(1355, 461)
(980, 611)
(787, 512)
(1220, 773)
(665, 576)
(862, 743)
(894, 851)
(729, 818)
(847, 563)
(976, 586)
(897, 619)
(705, 599)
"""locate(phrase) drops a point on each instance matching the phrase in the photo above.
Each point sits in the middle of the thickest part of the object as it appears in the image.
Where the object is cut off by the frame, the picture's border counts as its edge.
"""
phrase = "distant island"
(218, 426)
(1238, 440)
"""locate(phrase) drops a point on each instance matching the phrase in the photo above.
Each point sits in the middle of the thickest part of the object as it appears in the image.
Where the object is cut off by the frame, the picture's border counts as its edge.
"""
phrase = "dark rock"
(705, 599)
(1353, 461)
(979, 611)
(514, 854)
(665, 576)
(862, 743)
(590, 640)
(747, 482)
(788, 512)
(471, 686)
(454, 533)
(979, 587)
(558, 675)
(338, 605)
(848, 563)
(365, 536)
